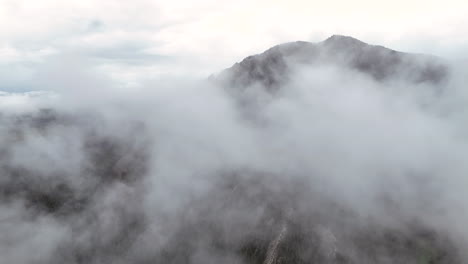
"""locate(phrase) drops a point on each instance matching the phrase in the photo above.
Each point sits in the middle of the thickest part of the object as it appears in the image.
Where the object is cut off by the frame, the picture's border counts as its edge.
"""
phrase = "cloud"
(128, 158)
(176, 171)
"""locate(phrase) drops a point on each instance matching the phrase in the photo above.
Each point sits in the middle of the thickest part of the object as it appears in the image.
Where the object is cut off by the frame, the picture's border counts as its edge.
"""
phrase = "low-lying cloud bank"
(335, 166)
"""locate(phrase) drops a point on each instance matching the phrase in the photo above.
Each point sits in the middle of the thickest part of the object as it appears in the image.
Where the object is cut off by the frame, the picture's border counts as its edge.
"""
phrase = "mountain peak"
(341, 40)
(338, 37)
(272, 68)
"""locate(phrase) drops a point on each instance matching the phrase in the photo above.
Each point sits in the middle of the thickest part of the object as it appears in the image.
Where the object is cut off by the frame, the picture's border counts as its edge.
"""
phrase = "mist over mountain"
(329, 152)
(272, 68)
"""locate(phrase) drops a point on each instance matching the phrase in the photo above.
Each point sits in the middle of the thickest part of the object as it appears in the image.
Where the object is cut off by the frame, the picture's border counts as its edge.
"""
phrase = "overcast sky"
(133, 41)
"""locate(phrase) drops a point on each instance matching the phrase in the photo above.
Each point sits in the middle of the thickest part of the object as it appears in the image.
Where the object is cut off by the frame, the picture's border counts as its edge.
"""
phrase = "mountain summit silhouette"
(271, 68)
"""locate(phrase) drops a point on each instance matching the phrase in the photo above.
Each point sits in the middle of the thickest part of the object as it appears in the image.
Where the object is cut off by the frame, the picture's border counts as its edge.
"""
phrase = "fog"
(334, 166)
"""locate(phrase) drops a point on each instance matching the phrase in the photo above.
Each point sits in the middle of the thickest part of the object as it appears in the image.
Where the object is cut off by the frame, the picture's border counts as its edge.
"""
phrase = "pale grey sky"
(137, 40)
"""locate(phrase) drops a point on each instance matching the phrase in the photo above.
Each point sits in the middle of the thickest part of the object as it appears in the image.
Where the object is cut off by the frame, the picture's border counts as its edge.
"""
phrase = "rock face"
(271, 69)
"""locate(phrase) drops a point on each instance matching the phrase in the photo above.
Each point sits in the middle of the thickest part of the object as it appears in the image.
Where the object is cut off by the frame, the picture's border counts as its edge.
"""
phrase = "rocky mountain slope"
(271, 69)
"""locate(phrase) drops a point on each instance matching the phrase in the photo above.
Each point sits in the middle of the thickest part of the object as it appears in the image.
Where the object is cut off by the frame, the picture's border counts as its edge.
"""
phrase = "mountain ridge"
(271, 68)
